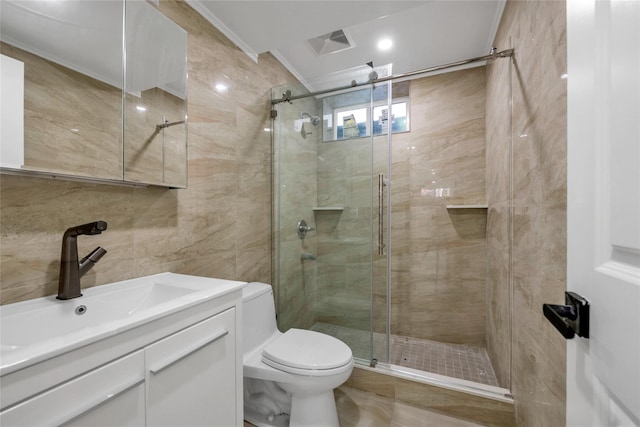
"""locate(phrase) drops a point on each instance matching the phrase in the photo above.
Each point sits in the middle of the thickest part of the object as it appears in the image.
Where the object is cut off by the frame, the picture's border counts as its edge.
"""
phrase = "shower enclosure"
(379, 222)
(328, 155)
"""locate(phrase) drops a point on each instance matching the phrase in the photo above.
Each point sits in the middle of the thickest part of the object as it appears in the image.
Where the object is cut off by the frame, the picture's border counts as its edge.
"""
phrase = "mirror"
(155, 97)
(68, 58)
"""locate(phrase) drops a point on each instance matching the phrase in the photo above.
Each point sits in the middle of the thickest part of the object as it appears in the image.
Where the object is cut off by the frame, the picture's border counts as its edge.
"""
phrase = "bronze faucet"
(71, 270)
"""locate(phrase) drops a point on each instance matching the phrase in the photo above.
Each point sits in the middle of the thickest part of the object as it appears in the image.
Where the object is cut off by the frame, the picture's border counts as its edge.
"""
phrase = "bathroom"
(220, 224)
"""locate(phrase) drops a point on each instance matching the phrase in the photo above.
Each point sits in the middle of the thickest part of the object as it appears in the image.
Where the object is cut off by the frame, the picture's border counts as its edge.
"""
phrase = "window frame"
(369, 107)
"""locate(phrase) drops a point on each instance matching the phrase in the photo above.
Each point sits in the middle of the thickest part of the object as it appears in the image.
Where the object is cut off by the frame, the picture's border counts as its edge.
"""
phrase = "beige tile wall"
(537, 32)
(344, 268)
(438, 255)
(218, 227)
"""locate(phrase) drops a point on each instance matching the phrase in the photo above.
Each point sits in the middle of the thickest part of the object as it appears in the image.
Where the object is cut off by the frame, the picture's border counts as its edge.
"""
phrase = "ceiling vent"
(332, 42)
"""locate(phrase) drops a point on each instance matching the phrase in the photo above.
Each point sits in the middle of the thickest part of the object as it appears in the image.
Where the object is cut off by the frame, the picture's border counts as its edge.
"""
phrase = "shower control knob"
(302, 228)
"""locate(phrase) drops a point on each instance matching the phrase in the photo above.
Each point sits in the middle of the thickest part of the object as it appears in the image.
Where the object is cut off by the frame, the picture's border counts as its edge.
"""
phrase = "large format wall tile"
(344, 238)
(438, 255)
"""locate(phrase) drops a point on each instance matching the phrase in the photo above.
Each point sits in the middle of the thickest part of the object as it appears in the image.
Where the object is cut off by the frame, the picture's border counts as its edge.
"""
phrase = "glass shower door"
(328, 273)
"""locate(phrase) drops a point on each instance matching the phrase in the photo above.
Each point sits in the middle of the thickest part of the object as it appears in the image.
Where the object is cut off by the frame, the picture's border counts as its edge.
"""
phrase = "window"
(352, 115)
(351, 123)
(399, 118)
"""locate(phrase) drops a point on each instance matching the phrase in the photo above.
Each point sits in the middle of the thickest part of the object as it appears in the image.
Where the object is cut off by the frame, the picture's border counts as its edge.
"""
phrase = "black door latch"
(569, 319)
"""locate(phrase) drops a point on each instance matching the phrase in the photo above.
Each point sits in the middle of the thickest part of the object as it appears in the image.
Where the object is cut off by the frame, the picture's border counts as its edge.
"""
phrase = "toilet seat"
(308, 353)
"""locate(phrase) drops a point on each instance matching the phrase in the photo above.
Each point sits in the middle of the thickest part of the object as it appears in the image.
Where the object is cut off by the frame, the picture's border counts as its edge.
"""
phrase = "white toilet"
(288, 378)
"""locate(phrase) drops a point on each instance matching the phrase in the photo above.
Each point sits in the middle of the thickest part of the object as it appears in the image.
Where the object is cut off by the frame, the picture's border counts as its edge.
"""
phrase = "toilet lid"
(311, 350)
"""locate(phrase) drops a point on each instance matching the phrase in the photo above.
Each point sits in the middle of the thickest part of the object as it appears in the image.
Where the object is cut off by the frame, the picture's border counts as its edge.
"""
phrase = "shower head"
(315, 120)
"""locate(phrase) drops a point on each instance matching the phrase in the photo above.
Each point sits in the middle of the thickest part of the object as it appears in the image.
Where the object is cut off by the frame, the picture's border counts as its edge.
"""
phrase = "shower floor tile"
(453, 360)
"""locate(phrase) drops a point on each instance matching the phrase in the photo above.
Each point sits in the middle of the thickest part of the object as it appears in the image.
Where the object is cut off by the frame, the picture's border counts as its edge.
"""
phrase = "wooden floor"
(358, 408)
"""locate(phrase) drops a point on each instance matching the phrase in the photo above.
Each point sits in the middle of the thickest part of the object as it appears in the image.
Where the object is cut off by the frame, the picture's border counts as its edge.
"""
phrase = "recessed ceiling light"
(221, 87)
(385, 44)
(141, 108)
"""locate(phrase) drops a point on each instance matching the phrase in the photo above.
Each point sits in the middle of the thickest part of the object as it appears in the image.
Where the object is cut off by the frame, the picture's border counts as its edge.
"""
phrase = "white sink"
(33, 330)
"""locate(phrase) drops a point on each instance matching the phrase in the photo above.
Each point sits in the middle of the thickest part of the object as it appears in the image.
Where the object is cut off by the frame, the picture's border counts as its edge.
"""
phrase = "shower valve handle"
(302, 228)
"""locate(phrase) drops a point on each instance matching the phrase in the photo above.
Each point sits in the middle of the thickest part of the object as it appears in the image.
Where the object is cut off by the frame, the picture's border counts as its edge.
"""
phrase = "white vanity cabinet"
(190, 376)
(180, 368)
(112, 395)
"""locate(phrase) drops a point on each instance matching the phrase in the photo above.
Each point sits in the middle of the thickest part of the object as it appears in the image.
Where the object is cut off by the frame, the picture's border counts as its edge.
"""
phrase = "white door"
(603, 372)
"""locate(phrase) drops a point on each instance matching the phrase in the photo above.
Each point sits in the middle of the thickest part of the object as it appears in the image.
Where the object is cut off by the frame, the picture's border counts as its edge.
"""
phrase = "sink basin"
(44, 323)
(43, 327)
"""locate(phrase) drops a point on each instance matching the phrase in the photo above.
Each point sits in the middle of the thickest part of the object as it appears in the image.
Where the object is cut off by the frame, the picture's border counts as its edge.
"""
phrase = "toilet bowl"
(288, 377)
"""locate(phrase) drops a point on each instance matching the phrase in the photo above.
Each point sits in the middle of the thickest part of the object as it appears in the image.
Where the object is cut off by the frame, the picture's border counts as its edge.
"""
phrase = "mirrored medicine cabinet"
(93, 90)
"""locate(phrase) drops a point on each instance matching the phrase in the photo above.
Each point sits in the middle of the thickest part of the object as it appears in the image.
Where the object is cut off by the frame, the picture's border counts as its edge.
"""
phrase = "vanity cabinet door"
(191, 375)
(112, 395)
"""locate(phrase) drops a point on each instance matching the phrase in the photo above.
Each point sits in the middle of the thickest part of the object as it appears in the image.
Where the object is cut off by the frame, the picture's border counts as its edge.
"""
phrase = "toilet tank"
(258, 315)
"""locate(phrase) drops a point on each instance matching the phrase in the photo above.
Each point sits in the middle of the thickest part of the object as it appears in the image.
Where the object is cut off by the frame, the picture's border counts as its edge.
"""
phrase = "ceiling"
(424, 33)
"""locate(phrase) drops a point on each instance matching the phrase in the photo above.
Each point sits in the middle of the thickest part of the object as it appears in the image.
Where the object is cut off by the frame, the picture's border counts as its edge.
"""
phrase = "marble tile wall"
(218, 227)
(537, 32)
(344, 237)
(438, 255)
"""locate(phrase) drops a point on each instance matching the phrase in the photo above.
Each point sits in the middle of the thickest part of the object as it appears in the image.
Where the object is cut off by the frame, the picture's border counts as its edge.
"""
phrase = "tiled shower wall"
(537, 32)
(438, 254)
(218, 227)
(344, 236)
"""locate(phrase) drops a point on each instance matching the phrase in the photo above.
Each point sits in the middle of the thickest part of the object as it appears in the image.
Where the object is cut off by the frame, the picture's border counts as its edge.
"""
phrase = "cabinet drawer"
(191, 375)
(107, 396)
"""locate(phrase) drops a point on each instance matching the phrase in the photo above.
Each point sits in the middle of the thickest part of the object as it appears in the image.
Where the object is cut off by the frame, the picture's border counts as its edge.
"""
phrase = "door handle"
(569, 319)
(381, 214)
(156, 369)
(101, 400)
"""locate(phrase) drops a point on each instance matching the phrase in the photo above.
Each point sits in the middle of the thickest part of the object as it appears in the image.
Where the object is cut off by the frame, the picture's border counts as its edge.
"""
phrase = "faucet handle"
(95, 255)
(90, 260)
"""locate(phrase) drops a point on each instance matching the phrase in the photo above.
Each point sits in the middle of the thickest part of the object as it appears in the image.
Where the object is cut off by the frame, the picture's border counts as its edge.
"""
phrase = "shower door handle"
(381, 214)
